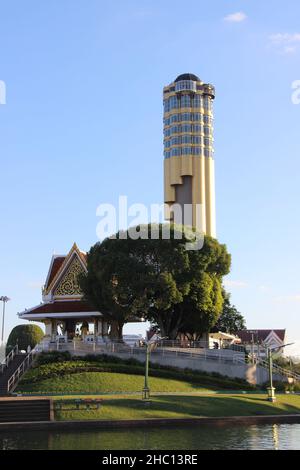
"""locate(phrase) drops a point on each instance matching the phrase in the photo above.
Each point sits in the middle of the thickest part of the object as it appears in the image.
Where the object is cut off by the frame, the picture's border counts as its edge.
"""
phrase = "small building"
(221, 340)
(256, 341)
(133, 340)
(216, 340)
(63, 311)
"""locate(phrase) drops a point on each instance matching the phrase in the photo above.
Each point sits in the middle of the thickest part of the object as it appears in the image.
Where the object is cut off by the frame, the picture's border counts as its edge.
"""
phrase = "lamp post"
(271, 389)
(3, 299)
(146, 389)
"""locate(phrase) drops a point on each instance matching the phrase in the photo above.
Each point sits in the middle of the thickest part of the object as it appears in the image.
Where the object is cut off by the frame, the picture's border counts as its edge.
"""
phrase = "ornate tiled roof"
(260, 335)
(54, 268)
(71, 306)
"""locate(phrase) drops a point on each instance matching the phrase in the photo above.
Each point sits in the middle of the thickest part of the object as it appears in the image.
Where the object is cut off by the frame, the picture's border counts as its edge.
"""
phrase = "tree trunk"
(161, 327)
(120, 331)
(116, 331)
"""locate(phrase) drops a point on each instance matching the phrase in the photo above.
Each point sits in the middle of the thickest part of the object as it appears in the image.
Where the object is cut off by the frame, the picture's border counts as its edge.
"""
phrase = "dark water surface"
(281, 436)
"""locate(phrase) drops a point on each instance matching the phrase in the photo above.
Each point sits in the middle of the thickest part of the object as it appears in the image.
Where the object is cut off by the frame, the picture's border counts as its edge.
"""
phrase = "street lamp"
(3, 299)
(149, 347)
(271, 389)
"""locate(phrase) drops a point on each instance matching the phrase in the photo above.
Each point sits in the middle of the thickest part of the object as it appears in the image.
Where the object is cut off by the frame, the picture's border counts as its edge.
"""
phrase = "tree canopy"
(230, 320)
(177, 289)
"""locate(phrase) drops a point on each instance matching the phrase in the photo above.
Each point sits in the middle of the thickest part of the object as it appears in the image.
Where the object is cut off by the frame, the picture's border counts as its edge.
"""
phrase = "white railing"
(110, 348)
(279, 370)
(17, 375)
(5, 363)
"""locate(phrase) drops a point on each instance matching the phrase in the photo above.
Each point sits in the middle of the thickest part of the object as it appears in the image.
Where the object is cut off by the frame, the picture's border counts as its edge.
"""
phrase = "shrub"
(284, 386)
(24, 336)
(54, 356)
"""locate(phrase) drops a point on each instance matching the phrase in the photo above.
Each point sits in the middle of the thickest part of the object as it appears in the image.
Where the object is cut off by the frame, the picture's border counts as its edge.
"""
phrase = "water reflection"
(283, 436)
(275, 436)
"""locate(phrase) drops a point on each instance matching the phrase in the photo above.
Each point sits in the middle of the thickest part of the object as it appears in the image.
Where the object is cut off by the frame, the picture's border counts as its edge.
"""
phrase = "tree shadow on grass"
(280, 406)
(193, 406)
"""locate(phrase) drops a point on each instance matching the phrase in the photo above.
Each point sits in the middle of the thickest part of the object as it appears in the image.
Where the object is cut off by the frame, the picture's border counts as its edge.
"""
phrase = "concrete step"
(18, 410)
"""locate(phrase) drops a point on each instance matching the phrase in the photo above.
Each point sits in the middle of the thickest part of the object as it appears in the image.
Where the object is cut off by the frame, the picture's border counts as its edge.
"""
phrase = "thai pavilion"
(63, 311)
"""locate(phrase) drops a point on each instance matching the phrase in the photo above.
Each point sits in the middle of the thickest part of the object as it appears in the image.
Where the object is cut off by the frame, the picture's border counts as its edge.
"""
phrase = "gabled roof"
(59, 264)
(259, 335)
(55, 265)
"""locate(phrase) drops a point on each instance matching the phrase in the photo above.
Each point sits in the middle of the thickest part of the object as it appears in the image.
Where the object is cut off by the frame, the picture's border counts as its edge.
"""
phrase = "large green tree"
(156, 278)
(202, 306)
(201, 300)
(230, 320)
(113, 283)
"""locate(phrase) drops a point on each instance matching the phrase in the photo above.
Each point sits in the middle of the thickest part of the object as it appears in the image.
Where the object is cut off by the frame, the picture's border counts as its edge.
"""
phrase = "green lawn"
(107, 382)
(185, 407)
(184, 394)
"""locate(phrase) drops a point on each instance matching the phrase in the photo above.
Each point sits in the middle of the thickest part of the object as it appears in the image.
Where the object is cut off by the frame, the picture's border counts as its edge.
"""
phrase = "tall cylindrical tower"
(188, 152)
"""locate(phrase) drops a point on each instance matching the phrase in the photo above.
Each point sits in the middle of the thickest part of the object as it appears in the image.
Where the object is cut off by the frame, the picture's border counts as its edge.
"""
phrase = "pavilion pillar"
(95, 329)
(100, 330)
(105, 330)
(53, 329)
(48, 328)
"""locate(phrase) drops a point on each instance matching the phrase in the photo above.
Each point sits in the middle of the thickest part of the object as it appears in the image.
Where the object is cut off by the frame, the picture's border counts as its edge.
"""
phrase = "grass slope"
(105, 382)
(185, 407)
(104, 376)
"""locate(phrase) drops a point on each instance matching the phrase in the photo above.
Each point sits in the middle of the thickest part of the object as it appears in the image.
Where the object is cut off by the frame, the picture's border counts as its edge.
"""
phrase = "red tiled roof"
(57, 263)
(63, 307)
(261, 335)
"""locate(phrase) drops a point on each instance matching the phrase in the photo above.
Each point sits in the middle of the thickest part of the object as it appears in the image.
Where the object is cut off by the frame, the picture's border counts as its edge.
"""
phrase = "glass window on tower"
(186, 128)
(207, 103)
(197, 117)
(207, 152)
(186, 85)
(187, 150)
(197, 128)
(186, 139)
(175, 152)
(197, 102)
(185, 101)
(207, 142)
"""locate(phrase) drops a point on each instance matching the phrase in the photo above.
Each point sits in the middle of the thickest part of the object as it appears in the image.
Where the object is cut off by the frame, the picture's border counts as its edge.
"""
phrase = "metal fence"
(9, 358)
(17, 375)
(161, 349)
(280, 370)
(191, 344)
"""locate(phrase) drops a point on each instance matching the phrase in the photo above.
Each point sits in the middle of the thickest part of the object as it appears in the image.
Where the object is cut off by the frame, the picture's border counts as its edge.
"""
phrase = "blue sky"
(82, 124)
